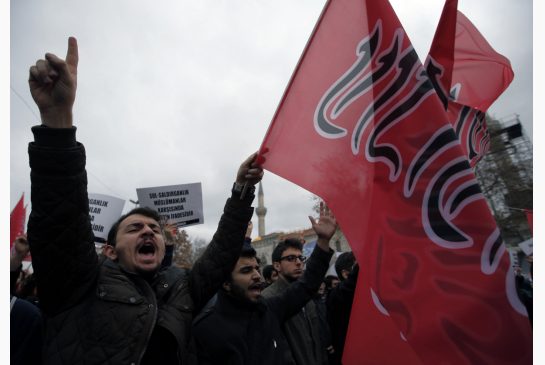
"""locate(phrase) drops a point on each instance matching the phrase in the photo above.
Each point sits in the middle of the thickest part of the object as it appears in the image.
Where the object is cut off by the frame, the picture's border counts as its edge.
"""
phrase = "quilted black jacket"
(95, 312)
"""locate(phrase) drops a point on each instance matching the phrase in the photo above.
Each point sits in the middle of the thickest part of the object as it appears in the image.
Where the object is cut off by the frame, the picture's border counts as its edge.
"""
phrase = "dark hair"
(345, 261)
(248, 252)
(329, 280)
(283, 246)
(268, 271)
(28, 284)
(145, 211)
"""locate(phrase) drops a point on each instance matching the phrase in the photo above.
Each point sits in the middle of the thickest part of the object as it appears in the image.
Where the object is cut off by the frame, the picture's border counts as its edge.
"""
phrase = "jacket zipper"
(154, 320)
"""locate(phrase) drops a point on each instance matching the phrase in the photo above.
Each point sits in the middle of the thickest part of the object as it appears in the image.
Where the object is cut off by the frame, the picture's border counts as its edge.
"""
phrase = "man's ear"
(276, 266)
(226, 286)
(345, 273)
(109, 251)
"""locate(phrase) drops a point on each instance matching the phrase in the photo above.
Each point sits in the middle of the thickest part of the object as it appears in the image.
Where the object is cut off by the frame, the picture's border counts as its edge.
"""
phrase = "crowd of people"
(130, 305)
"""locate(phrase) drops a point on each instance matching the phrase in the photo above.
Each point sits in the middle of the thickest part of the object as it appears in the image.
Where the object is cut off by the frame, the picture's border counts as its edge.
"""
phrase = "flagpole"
(519, 209)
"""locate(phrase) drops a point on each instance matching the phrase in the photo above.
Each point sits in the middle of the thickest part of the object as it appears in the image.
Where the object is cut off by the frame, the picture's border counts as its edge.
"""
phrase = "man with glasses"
(303, 329)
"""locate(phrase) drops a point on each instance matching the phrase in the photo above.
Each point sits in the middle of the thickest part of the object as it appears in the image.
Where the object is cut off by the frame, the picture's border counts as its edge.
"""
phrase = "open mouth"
(256, 288)
(147, 249)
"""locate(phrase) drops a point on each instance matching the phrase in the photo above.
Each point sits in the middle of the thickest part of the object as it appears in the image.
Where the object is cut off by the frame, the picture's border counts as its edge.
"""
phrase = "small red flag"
(17, 220)
(469, 75)
(361, 126)
(470, 71)
(530, 218)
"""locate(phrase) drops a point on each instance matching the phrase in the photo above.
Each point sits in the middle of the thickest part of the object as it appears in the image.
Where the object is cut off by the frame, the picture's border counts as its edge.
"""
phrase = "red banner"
(470, 71)
(17, 220)
(468, 76)
(361, 126)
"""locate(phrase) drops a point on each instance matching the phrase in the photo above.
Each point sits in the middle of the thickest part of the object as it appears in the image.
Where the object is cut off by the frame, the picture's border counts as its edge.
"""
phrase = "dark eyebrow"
(140, 225)
(135, 225)
(249, 267)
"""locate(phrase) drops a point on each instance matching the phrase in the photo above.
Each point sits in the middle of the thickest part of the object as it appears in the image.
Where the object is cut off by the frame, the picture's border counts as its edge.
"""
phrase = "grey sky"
(174, 92)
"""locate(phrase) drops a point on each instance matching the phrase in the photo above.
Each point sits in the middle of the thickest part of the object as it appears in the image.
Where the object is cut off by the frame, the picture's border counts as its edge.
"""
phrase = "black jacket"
(241, 333)
(26, 333)
(302, 330)
(95, 312)
(339, 306)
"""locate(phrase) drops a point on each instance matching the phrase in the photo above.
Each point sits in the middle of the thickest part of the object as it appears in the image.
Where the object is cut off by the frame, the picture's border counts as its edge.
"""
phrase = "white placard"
(180, 205)
(527, 247)
(104, 210)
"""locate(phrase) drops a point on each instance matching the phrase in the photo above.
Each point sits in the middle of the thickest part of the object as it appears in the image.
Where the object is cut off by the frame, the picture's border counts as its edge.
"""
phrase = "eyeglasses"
(292, 258)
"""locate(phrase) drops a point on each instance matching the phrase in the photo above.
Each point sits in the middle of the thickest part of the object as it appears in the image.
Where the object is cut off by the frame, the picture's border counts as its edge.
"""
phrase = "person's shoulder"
(275, 288)
(332, 295)
(204, 315)
(24, 310)
(174, 273)
(270, 291)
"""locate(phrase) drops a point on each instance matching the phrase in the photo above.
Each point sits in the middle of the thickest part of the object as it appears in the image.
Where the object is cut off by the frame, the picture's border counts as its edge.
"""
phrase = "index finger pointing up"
(72, 56)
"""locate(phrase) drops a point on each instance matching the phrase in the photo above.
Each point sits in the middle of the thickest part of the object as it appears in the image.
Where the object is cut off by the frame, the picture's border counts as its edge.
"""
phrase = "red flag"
(468, 76)
(530, 218)
(470, 71)
(17, 220)
(361, 126)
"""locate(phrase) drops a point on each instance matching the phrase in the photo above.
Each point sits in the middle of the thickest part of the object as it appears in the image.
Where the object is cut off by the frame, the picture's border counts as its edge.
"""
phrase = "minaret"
(260, 211)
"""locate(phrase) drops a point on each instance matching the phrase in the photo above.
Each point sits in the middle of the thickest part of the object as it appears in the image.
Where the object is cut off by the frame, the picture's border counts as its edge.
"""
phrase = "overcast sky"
(173, 92)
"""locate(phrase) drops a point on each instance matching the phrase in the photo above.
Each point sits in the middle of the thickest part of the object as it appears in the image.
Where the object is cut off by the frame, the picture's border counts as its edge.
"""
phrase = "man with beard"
(122, 308)
(245, 328)
(304, 328)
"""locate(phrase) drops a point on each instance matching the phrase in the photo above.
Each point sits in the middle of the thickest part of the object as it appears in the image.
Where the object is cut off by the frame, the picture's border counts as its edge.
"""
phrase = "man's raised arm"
(59, 230)
(221, 255)
(294, 298)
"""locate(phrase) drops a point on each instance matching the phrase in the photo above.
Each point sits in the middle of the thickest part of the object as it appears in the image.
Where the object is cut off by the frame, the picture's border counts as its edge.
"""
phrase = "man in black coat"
(303, 330)
(122, 308)
(339, 304)
(245, 328)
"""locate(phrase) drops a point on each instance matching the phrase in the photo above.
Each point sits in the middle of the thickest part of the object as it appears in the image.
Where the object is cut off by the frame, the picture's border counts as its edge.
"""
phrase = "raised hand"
(325, 226)
(19, 251)
(21, 247)
(53, 84)
(250, 171)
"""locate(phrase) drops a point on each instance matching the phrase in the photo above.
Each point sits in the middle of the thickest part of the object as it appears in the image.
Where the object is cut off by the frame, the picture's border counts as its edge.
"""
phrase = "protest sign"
(180, 205)
(104, 210)
(527, 247)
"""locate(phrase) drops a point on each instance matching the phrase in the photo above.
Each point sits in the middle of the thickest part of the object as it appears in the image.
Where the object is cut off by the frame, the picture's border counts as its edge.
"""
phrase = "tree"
(199, 245)
(182, 256)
